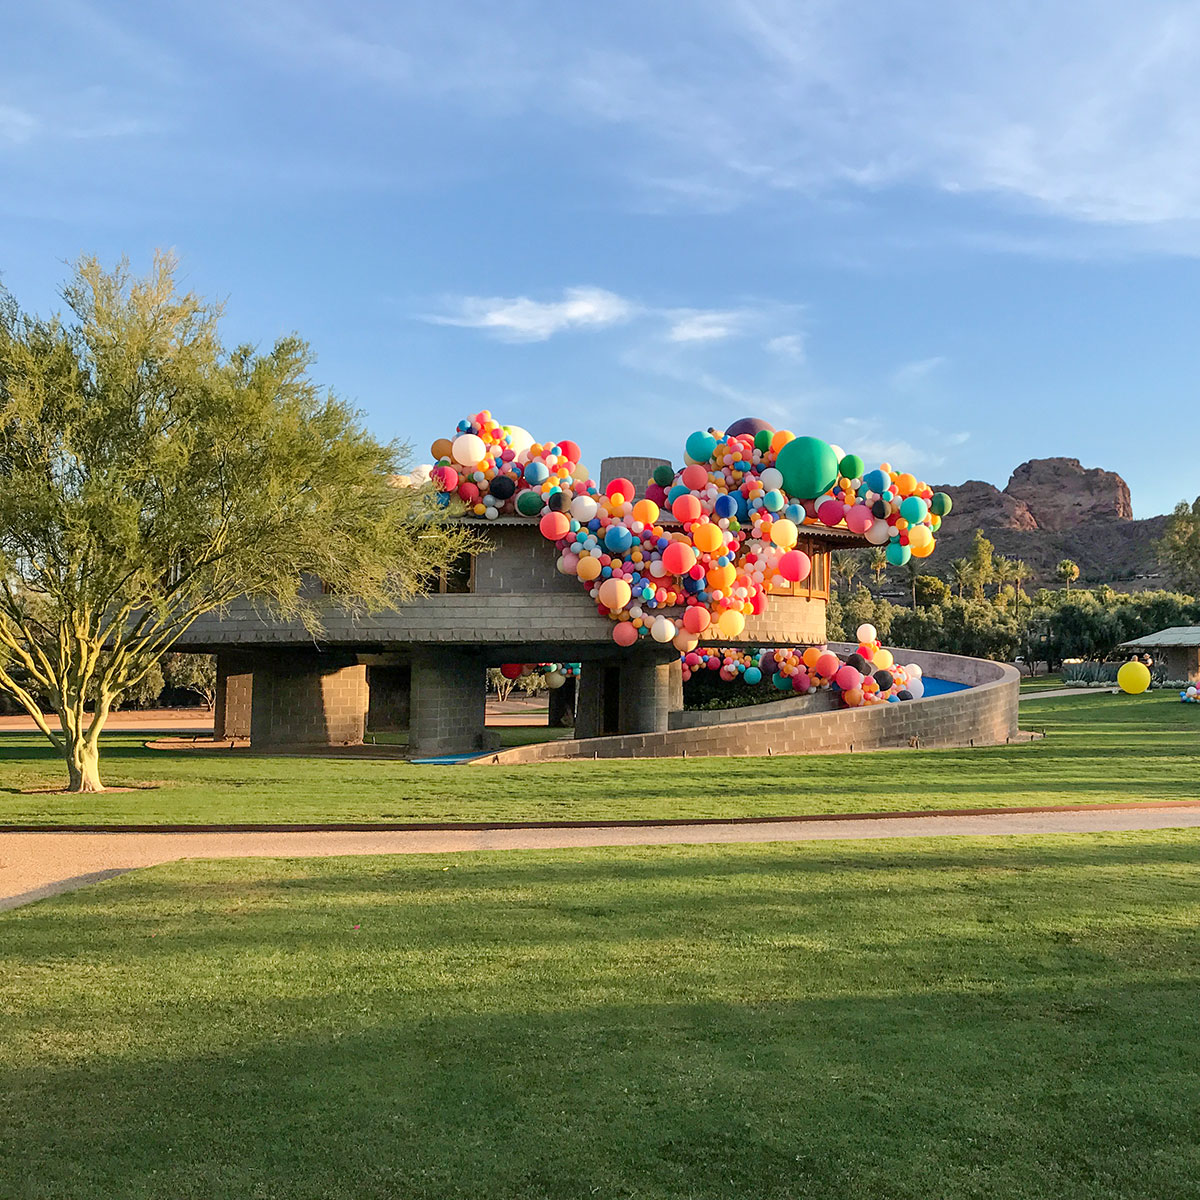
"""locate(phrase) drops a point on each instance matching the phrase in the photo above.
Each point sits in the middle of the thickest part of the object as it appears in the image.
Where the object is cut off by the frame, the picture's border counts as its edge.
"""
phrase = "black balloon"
(502, 487)
(884, 679)
(904, 695)
(880, 509)
(858, 663)
(557, 501)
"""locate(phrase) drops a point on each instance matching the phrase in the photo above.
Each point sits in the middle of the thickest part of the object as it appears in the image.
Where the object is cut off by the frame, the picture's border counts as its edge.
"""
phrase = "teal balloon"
(913, 510)
(774, 501)
(782, 682)
(852, 466)
(897, 554)
(941, 504)
(754, 675)
(700, 446)
(809, 467)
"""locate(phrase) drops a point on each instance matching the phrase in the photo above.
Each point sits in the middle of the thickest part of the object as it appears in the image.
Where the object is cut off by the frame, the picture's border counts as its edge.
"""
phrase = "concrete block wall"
(791, 706)
(308, 699)
(519, 560)
(235, 690)
(449, 695)
(984, 714)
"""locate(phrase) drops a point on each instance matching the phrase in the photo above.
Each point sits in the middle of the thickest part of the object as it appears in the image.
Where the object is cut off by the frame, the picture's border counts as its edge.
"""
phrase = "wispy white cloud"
(16, 125)
(790, 346)
(519, 319)
(1097, 119)
(697, 325)
(911, 375)
(522, 319)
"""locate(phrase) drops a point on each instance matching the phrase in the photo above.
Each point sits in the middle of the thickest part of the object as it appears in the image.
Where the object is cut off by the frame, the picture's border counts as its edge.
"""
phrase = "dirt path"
(34, 865)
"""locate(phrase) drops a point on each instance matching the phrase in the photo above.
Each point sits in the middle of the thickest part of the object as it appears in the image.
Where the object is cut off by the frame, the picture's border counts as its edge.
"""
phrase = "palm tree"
(1020, 572)
(845, 566)
(913, 572)
(1068, 572)
(877, 563)
(1002, 573)
(962, 573)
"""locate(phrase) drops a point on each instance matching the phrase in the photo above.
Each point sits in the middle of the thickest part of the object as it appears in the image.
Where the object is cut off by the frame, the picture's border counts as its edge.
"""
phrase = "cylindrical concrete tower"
(637, 470)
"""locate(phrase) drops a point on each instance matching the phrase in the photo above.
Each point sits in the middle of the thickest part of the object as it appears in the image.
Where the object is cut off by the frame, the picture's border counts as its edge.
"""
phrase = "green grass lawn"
(897, 1020)
(1041, 683)
(1100, 748)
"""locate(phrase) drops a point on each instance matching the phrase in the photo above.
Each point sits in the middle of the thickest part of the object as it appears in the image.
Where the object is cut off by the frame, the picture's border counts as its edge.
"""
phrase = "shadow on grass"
(1033, 1095)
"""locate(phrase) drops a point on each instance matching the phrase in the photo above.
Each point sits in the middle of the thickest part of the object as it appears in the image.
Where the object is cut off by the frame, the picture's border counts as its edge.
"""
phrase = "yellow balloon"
(731, 623)
(883, 659)
(589, 569)
(1133, 678)
(784, 533)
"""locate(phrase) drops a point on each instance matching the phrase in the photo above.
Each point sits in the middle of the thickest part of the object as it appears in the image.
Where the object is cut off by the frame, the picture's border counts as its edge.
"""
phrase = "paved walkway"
(34, 865)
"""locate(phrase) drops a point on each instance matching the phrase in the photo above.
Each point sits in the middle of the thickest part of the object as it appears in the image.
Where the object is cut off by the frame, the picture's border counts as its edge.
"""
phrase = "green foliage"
(1179, 547)
(149, 475)
(195, 673)
(845, 616)
(982, 560)
(1068, 572)
(929, 590)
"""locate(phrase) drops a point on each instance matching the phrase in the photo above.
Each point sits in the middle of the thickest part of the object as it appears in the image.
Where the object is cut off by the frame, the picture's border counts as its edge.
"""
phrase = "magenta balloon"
(750, 425)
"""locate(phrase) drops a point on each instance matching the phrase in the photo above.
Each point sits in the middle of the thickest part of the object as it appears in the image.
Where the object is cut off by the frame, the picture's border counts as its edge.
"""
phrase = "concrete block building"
(422, 666)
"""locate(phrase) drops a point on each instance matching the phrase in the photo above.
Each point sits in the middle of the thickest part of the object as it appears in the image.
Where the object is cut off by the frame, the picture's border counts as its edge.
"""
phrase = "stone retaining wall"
(984, 714)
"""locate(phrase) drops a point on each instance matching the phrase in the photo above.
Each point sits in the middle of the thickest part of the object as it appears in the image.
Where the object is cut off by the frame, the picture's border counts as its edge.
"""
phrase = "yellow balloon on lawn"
(1133, 678)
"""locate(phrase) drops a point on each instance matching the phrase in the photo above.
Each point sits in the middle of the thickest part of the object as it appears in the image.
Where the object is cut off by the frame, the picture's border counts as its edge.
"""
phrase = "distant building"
(1178, 649)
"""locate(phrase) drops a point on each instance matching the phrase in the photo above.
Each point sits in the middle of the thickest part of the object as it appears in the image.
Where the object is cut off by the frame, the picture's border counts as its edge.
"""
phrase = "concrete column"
(308, 699)
(235, 687)
(390, 696)
(562, 705)
(597, 702)
(645, 702)
(449, 694)
(675, 699)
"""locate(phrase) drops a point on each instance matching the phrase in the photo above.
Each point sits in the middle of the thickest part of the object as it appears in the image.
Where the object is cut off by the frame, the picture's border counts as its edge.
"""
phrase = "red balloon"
(624, 633)
(624, 486)
(831, 512)
(554, 525)
(511, 670)
(679, 558)
(468, 492)
(694, 477)
(686, 508)
(696, 619)
(570, 451)
(828, 664)
(794, 565)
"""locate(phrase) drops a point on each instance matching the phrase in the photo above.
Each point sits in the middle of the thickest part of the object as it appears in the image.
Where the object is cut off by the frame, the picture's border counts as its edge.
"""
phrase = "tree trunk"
(83, 765)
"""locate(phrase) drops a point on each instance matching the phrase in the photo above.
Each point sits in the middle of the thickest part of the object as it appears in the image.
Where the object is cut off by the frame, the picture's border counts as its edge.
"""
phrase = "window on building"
(816, 586)
(459, 577)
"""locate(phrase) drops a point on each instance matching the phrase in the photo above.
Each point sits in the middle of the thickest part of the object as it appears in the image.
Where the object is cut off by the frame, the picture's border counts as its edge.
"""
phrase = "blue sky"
(956, 235)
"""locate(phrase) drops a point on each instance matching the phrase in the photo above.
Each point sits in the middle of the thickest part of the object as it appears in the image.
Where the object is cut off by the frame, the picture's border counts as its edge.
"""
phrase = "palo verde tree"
(149, 475)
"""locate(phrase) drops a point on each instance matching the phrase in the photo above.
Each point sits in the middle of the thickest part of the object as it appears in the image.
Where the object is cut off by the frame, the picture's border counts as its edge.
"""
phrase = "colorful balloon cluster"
(711, 538)
(496, 468)
(1191, 695)
(556, 673)
(870, 675)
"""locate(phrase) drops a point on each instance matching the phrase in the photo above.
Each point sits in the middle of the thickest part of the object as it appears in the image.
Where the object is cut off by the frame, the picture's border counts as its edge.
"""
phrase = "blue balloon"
(877, 481)
(617, 539)
(753, 675)
(536, 472)
(725, 507)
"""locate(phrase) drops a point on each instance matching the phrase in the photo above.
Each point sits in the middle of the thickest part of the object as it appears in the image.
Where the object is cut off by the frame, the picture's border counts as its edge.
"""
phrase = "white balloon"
(663, 629)
(917, 688)
(468, 449)
(771, 479)
(879, 533)
(555, 680)
(584, 508)
(837, 451)
(867, 633)
(914, 670)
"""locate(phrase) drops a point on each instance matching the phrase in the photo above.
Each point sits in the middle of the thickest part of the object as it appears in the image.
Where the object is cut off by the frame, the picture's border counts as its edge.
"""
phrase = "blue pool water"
(942, 687)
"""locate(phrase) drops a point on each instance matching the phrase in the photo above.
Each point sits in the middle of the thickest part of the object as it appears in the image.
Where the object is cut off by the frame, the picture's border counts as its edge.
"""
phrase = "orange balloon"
(811, 655)
(707, 537)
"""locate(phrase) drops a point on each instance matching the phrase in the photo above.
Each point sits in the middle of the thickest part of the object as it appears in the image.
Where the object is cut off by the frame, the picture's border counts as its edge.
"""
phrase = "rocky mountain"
(1055, 508)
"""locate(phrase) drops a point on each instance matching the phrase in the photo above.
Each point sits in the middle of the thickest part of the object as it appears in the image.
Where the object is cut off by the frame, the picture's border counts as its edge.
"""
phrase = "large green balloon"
(941, 504)
(664, 475)
(809, 467)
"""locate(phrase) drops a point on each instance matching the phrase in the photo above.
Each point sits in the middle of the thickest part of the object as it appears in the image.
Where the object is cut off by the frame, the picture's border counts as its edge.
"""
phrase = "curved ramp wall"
(984, 714)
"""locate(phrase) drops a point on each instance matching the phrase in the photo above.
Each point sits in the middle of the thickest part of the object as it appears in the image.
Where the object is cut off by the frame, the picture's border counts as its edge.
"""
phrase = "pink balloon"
(848, 678)
(827, 664)
(624, 633)
(694, 477)
(794, 565)
(831, 512)
(859, 519)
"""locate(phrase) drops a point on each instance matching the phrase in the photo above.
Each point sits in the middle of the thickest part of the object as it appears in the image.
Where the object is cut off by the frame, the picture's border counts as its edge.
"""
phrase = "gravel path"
(34, 865)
